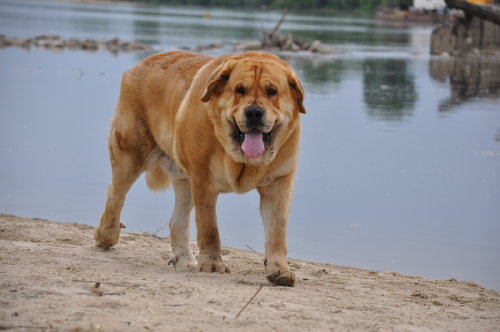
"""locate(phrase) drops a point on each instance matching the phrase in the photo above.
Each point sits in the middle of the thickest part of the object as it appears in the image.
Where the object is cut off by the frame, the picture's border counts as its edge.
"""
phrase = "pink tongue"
(253, 146)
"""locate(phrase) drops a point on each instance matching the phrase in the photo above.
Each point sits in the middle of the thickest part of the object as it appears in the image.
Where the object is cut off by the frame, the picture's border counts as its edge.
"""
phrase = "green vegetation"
(341, 5)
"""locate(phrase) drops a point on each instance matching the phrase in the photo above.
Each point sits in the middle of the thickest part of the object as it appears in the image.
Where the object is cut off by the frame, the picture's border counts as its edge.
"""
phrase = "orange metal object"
(481, 2)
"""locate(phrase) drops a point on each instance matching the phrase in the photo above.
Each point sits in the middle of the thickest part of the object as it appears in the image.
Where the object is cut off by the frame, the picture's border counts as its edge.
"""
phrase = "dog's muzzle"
(254, 116)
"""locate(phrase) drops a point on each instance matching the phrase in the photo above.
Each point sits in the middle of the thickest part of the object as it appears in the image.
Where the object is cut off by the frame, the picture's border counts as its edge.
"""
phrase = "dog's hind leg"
(127, 163)
(179, 226)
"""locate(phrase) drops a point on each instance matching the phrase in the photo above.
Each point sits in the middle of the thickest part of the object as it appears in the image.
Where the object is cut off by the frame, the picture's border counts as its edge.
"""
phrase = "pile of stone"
(273, 40)
(55, 42)
(286, 43)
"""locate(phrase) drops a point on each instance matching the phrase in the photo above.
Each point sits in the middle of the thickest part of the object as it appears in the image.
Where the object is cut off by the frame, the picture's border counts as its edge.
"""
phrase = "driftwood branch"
(270, 38)
(280, 22)
(274, 40)
(475, 10)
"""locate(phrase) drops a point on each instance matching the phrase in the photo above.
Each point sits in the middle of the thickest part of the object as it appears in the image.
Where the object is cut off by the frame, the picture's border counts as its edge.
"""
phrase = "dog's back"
(144, 121)
(154, 88)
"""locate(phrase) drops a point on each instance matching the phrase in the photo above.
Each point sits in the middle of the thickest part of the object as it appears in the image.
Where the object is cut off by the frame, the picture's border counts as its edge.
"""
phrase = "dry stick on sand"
(122, 284)
(246, 305)
(255, 251)
(12, 327)
(95, 289)
(159, 229)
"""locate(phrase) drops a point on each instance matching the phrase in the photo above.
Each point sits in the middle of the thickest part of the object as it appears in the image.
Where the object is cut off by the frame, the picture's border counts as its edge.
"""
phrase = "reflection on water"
(151, 29)
(352, 34)
(389, 88)
(389, 91)
(385, 181)
(318, 72)
(468, 79)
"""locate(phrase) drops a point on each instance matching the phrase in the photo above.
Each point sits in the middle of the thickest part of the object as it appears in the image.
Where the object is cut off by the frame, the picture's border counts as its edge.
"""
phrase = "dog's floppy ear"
(297, 90)
(218, 79)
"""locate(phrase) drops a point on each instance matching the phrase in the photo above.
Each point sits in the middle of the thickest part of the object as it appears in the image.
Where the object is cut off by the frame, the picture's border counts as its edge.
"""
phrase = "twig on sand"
(13, 327)
(255, 251)
(253, 296)
(95, 289)
(159, 229)
(121, 284)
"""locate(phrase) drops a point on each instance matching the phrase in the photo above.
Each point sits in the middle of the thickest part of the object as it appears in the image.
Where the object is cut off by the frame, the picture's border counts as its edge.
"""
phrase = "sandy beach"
(54, 279)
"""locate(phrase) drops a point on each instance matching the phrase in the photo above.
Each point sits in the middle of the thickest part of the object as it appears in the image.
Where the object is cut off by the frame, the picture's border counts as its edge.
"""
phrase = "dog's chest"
(242, 178)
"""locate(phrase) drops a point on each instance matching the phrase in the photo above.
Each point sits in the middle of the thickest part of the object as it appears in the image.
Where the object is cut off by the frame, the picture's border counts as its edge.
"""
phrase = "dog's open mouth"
(253, 143)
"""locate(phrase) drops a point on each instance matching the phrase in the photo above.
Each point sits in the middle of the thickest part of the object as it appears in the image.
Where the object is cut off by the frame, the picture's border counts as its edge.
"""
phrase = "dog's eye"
(241, 90)
(271, 92)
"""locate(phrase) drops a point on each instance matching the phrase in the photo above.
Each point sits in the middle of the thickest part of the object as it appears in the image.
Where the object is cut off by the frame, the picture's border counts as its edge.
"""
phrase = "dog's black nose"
(254, 115)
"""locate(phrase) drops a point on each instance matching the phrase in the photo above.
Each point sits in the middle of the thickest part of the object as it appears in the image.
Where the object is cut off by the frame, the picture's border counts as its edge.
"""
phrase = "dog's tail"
(156, 174)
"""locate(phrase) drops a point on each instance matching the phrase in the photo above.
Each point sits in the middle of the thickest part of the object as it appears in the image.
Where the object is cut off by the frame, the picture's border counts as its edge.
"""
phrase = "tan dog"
(209, 126)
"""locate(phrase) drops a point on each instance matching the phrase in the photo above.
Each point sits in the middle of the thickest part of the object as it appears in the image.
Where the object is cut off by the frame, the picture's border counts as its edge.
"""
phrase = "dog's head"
(255, 100)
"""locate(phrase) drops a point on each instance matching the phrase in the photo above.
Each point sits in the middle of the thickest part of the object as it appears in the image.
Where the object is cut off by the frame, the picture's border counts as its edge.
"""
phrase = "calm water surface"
(400, 156)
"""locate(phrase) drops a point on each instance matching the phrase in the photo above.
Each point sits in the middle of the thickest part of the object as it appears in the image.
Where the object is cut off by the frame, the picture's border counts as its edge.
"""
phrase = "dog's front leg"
(275, 202)
(210, 258)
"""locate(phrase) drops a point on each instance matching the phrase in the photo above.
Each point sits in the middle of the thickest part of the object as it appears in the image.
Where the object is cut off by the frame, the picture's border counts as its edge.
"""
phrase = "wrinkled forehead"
(264, 72)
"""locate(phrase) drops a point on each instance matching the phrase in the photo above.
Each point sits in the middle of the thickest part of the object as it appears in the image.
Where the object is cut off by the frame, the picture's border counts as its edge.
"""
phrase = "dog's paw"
(282, 278)
(106, 237)
(213, 266)
(183, 264)
(279, 274)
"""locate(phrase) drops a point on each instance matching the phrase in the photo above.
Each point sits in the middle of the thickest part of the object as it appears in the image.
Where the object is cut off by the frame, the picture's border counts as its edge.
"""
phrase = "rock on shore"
(55, 42)
(286, 43)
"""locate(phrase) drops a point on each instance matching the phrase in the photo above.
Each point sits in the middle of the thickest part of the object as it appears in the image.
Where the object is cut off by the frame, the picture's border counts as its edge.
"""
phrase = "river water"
(400, 157)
